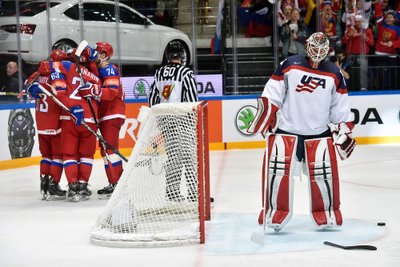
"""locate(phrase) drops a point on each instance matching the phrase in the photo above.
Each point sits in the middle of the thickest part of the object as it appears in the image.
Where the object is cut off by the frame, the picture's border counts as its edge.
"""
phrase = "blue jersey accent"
(108, 71)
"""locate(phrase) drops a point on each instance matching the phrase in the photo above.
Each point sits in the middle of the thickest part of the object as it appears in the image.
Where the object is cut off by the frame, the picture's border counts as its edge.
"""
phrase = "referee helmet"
(174, 50)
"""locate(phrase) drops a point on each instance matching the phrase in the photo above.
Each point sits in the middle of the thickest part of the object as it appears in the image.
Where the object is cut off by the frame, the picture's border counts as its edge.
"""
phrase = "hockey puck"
(381, 224)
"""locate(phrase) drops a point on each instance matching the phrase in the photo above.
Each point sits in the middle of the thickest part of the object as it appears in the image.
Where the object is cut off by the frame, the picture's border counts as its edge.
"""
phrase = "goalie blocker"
(265, 120)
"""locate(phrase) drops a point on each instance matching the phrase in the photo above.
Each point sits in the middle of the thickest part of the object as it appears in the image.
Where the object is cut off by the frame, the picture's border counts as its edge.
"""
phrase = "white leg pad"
(322, 170)
(279, 186)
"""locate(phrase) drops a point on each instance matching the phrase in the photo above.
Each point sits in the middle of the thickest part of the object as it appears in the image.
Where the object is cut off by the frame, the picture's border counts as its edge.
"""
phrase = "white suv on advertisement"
(141, 41)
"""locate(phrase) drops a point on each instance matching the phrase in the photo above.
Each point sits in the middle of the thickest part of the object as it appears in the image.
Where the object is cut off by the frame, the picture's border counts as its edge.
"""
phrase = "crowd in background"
(361, 30)
(354, 27)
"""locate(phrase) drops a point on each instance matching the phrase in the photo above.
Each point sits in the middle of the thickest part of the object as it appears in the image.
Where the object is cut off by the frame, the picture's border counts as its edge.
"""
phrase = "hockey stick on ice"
(101, 139)
(354, 247)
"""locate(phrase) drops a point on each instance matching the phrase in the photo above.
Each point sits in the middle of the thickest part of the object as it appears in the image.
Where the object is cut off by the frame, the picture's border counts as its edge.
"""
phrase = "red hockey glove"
(90, 90)
(90, 53)
(44, 68)
(343, 138)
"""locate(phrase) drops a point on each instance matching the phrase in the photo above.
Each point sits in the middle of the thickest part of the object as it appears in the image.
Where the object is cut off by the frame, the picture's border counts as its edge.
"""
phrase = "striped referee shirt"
(173, 83)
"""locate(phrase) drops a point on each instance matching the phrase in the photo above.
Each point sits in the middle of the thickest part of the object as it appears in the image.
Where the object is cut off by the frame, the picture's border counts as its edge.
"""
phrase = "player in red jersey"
(78, 143)
(49, 131)
(111, 111)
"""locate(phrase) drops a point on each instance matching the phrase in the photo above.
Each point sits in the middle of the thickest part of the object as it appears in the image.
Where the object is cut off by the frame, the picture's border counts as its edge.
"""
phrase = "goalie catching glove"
(90, 90)
(343, 138)
(265, 119)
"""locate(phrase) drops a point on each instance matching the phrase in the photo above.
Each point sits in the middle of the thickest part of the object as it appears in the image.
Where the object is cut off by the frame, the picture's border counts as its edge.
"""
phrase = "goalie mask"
(317, 48)
(174, 50)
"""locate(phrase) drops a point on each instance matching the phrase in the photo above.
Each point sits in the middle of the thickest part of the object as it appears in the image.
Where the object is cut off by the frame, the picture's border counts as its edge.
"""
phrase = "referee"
(175, 83)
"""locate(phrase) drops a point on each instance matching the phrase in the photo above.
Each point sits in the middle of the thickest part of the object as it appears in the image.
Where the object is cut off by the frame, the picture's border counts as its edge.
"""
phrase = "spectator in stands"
(293, 35)
(348, 17)
(165, 13)
(284, 9)
(358, 40)
(387, 43)
(285, 16)
(343, 62)
(328, 22)
(11, 84)
(203, 9)
(260, 24)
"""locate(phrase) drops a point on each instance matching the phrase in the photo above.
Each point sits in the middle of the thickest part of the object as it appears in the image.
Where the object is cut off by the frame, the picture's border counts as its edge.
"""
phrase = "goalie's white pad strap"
(279, 186)
(324, 182)
(265, 119)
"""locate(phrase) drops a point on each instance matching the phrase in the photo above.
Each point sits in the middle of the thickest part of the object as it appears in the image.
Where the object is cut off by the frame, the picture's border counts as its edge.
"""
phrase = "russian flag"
(215, 44)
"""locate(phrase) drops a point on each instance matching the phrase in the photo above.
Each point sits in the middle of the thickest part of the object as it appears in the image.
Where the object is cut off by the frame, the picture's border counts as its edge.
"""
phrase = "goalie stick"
(101, 139)
(353, 247)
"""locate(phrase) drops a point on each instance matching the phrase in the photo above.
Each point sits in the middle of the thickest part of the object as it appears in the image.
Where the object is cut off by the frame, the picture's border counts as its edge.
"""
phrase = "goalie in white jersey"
(304, 108)
(174, 83)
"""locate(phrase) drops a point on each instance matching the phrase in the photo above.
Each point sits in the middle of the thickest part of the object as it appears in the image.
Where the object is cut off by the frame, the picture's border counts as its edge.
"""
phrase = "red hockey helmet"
(58, 55)
(104, 47)
(71, 54)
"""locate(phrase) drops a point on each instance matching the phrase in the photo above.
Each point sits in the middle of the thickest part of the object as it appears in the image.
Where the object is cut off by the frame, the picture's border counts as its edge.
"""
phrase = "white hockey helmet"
(317, 48)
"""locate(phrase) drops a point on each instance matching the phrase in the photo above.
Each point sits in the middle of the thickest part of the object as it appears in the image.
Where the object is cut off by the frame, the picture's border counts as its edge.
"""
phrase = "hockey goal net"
(163, 196)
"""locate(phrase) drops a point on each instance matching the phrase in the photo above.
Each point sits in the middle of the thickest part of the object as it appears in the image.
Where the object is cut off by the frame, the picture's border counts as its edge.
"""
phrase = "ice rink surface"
(39, 233)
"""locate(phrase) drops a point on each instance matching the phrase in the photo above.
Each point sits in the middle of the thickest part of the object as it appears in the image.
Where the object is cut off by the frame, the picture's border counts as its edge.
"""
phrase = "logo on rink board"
(244, 117)
(141, 88)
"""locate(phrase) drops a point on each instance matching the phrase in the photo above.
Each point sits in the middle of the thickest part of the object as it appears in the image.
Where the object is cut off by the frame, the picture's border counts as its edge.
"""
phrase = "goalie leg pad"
(261, 215)
(279, 185)
(322, 170)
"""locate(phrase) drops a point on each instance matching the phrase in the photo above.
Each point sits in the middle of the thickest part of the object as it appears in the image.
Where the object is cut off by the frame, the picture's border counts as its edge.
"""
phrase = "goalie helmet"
(317, 48)
(104, 47)
(58, 55)
(174, 50)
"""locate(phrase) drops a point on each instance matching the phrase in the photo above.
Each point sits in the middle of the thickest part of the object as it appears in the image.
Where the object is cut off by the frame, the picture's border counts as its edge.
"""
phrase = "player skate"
(54, 191)
(84, 191)
(107, 191)
(73, 192)
(44, 184)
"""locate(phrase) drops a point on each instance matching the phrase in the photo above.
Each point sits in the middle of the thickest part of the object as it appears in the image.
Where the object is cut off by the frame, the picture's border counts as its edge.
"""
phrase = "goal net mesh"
(158, 200)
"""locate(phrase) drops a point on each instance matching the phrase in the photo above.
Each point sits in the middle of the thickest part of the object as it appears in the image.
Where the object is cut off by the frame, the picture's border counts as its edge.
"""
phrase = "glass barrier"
(241, 40)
